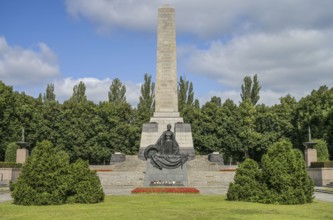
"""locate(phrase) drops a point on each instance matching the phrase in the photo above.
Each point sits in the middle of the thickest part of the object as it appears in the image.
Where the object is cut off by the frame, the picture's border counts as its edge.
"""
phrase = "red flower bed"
(165, 190)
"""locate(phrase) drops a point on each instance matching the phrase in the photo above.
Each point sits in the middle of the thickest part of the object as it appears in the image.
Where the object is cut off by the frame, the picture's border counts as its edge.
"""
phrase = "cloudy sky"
(288, 43)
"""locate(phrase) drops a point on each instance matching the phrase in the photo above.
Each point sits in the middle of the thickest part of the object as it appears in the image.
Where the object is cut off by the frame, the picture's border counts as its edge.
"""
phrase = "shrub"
(10, 165)
(282, 179)
(285, 175)
(47, 178)
(85, 184)
(322, 150)
(247, 185)
(43, 177)
(11, 149)
(321, 164)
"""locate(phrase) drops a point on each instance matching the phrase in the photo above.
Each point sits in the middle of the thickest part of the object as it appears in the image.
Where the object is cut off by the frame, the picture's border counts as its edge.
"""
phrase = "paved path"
(126, 190)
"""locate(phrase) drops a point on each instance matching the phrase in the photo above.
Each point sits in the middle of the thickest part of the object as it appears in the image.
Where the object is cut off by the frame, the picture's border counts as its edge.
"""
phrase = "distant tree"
(147, 99)
(247, 133)
(49, 94)
(185, 93)
(197, 103)
(11, 152)
(79, 92)
(250, 89)
(314, 111)
(117, 92)
(216, 100)
(322, 150)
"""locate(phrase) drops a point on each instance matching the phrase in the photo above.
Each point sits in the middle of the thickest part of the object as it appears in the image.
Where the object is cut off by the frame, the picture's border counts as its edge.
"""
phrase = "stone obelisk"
(166, 95)
(166, 98)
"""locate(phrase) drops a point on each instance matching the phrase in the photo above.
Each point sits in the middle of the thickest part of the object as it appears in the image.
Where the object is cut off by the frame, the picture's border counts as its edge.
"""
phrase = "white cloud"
(207, 17)
(96, 89)
(27, 67)
(294, 61)
(135, 15)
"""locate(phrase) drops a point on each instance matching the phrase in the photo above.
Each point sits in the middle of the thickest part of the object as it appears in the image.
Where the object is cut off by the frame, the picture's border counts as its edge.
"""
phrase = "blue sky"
(287, 43)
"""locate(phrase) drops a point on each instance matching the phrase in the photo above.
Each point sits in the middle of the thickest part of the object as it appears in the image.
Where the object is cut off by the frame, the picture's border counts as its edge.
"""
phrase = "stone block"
(22, 155)
(321, 176)
(215, 157)
(165, 177)
(310, 156)
(118, 157)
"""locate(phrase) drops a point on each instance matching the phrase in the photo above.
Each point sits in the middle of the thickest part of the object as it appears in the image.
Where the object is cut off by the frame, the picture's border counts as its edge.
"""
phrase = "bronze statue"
(167, 143)
(165, 153)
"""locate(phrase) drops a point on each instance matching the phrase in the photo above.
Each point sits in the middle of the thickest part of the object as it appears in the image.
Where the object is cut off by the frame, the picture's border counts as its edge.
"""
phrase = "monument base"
(22, 155)
(153, 130)
(165, 177)
(310, 156)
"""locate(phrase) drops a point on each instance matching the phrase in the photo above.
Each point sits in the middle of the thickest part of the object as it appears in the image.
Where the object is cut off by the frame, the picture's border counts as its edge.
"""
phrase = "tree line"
(93, 132)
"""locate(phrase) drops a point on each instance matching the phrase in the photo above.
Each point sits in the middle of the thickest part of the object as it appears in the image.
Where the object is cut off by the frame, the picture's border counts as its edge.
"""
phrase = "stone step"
(131, 172)
(131, 164)
(210, 178)
(134, 179)
(330, 185)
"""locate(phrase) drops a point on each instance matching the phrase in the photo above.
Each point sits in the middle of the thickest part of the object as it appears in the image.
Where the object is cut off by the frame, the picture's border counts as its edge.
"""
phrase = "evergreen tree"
(47, 178)
(43, 180)
(282, 178)
(285, 175)
(117, 92)
(247, 185)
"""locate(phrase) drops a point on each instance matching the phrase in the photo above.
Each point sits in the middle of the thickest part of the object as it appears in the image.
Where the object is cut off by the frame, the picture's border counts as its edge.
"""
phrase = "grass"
(168, 207)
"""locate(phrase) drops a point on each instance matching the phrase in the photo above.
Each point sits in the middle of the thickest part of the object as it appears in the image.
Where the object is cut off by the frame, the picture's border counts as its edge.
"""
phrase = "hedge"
(10, 165)
(321, 164)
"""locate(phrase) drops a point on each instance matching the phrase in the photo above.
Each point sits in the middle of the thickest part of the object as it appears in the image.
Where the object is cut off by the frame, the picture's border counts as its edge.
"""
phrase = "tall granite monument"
(166, 96)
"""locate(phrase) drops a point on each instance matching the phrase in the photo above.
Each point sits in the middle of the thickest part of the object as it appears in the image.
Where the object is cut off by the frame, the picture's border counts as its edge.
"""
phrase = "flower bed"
(182, 190)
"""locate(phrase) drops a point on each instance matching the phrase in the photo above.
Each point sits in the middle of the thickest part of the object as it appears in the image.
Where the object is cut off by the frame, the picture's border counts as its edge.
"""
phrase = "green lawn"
(168, 207)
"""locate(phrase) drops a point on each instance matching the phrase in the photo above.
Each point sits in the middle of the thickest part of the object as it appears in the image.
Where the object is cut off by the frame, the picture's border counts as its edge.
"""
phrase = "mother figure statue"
(165, 153)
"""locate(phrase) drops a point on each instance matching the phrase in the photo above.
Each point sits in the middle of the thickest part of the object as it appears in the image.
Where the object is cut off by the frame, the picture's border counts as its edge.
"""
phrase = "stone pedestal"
(153, 130)
(165, 177)
(310, 156)
(22, 155)
(215, 157)
(118, 157)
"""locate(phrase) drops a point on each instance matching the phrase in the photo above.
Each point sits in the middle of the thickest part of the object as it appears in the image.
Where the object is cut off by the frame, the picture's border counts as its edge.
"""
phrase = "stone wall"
(9, 174)
(321, 176)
